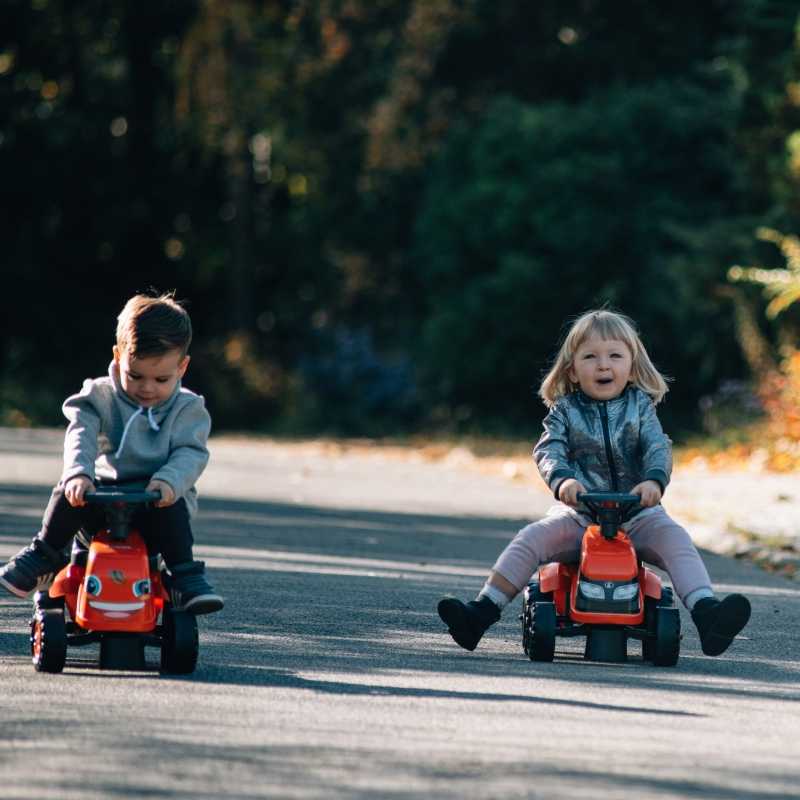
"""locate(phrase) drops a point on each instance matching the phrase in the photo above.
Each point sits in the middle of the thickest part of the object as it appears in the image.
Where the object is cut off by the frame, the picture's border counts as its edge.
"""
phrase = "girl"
(602, 434)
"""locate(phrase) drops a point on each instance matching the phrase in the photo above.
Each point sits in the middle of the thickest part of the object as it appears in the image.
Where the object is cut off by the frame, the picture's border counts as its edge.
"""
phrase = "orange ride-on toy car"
(608, 597)
(113, 594)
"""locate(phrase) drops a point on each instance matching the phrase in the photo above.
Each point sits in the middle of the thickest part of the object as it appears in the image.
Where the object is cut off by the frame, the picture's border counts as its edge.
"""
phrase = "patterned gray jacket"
(606, 445)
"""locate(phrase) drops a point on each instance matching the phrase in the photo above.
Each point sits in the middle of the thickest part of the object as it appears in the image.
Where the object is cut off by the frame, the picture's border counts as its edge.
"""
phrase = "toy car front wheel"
(48, 641)
(667, 643)
(542, 642)
(179, 643)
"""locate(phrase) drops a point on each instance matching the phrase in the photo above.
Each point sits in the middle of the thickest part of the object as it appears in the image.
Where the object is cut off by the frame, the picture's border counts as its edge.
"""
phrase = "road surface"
(329, 675)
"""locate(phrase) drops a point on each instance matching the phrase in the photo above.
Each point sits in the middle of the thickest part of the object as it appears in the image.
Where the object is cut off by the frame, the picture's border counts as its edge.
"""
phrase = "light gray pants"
(658, 539)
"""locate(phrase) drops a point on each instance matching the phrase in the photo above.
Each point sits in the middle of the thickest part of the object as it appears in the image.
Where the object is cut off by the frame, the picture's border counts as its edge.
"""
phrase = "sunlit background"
(383, 212)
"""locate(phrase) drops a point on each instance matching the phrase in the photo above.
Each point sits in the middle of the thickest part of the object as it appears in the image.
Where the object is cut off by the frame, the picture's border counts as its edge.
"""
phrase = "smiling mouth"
(116, 607)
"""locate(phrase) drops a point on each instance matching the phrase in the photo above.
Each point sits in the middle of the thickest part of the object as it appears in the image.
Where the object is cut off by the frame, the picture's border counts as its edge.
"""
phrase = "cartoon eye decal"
(141, 588)
(93, 585)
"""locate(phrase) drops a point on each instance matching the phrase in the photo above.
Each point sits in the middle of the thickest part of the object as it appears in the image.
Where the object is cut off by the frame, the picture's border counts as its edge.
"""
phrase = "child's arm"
(80, 440)
(189, 451)
(552, 451)
(656, 445)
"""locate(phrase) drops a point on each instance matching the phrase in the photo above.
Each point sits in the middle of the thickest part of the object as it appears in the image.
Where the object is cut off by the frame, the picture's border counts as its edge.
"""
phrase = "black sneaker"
(32, 569)
(190, 591)
(467, 622)
(718, 621)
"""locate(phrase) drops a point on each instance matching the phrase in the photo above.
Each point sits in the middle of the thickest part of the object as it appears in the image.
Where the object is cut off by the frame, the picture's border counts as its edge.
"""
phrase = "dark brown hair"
(152, 326)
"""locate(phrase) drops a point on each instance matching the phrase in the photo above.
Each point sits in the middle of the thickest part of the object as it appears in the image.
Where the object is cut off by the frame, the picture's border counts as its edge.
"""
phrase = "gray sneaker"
(190, 591)
(32, 569)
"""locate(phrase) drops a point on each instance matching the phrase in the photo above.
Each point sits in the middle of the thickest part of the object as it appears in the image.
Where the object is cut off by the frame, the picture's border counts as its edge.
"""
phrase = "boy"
(136, 424)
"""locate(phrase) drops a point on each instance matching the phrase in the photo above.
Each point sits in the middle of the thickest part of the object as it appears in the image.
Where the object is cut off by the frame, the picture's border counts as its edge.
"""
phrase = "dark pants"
(164, 530)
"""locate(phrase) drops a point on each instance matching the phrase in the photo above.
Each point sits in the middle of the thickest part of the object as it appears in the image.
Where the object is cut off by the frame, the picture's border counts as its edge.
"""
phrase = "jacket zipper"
(609, 454)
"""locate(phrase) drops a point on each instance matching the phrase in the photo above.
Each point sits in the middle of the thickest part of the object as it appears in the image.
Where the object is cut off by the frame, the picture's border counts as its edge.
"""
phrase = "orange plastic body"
(601, 559)
(119, 566)
(608, 559)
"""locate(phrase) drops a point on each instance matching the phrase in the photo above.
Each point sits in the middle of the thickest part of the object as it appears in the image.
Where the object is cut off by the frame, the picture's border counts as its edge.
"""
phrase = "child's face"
(150, 380)
(601, 367)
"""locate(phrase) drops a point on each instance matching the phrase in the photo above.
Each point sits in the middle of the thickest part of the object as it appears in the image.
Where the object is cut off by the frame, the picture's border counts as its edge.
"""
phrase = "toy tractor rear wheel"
(537, 595)
(667, 643)
(650, 605)
(531, 595)
(180, 645)
(542, 643)
(48, 641)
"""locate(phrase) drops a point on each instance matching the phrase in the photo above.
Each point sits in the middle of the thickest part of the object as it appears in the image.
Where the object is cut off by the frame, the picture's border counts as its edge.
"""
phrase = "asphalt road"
(329, 675)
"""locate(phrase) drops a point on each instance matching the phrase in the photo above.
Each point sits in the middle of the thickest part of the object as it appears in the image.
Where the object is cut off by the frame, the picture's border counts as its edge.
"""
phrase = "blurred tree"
(628, 192)
(766, 57)
(781, 286)
(542, 212)
(88, 184)
(768, 63)
(341, 186)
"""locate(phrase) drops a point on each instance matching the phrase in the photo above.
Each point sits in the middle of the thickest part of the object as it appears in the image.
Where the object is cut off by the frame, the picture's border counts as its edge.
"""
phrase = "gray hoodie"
(111, 437)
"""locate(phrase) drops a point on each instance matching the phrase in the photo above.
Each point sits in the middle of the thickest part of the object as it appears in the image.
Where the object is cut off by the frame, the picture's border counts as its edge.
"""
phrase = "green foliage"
(452, 179)
(781, 286)
(541, 211)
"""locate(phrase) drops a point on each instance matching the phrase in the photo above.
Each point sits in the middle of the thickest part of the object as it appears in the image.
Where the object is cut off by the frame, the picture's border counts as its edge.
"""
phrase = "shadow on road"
(343, 602)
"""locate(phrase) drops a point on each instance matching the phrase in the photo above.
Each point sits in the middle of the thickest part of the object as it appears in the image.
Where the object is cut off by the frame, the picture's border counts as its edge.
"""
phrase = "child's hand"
(76, 488)
(569, 490)
(167, 493)
(649, 491)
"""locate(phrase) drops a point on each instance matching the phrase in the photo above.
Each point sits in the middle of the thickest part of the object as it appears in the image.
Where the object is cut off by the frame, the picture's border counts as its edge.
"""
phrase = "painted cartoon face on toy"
(601, 367)
(115, 595)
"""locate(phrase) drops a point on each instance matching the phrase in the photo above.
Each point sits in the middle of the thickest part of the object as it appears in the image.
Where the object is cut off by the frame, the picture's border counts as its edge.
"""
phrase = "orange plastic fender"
(553, 577)
(651, 583)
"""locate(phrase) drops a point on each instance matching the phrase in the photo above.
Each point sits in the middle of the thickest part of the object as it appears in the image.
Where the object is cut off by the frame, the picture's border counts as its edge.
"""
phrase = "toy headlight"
(626, 592)
(141, 588)
(592, 590)
(94, 585)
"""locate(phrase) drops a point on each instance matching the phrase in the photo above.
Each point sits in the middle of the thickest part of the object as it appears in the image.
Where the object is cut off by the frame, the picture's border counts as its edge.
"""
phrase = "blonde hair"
(606, 325)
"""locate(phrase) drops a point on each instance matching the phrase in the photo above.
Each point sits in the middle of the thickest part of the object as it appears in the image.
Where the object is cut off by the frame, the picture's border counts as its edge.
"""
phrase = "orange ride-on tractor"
(113, 594)
(608, 597)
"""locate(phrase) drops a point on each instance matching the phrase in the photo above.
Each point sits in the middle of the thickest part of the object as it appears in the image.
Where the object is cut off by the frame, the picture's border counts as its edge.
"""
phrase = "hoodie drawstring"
(153, 426)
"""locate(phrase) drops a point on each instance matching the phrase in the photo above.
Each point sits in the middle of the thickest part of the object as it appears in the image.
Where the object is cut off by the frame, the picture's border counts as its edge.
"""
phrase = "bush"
(346, 387)
(541, 212)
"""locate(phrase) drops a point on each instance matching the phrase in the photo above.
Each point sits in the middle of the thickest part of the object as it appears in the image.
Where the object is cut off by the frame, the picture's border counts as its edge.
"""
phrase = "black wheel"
(179, 642)
(48, 641)
(537, 595)
(650, 605)
(43, 602)
(527, 622)
(667, 643)
(542, 645)
(530, 596)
